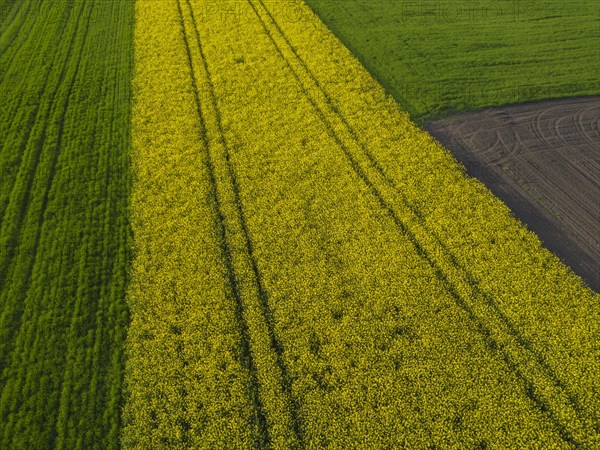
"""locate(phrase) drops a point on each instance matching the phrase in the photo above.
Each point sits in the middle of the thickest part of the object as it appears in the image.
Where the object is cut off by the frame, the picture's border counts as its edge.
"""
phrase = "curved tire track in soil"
(553, 184)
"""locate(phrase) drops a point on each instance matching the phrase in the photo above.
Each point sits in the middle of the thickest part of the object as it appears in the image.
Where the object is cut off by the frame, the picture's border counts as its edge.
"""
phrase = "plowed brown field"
(542, 159)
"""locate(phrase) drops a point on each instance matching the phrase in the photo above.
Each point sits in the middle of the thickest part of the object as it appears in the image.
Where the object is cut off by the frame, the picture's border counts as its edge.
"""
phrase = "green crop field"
(436, 57)
(64, 184)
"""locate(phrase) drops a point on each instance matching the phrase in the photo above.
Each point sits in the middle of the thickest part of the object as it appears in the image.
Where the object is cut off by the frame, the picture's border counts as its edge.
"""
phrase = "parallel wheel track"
(373, 175)
(226, 222)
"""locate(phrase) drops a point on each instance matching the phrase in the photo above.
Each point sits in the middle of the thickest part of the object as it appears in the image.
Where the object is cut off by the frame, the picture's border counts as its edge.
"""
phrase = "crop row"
(362, 290)
(64, 81)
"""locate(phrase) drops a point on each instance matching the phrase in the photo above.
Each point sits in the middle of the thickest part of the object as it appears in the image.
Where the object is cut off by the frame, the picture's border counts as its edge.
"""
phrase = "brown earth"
(542, 159)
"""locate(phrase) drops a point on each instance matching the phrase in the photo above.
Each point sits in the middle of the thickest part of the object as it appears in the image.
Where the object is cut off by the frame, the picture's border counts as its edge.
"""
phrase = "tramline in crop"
(312, 269)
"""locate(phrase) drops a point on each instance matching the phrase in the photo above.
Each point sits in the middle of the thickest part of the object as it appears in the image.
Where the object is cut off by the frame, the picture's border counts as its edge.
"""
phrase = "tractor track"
(379, 183)
(235, 239)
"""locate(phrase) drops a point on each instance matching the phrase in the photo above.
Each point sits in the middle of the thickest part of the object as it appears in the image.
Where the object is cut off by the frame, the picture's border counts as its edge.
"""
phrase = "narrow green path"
(65, 74)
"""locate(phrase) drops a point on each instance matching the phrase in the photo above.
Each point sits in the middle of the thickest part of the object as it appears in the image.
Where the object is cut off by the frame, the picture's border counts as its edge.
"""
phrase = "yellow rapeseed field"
(313, 271)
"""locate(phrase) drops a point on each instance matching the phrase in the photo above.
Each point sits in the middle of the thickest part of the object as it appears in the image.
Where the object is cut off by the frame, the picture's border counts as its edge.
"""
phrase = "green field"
(65, 71)
(438, 57)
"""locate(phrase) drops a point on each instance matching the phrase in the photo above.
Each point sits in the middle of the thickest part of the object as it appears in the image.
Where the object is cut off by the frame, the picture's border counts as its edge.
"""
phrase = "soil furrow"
(13, 239)
(235, 187)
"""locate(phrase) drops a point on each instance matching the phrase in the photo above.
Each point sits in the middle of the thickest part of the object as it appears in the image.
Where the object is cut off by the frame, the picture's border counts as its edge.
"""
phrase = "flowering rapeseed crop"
(312, 270)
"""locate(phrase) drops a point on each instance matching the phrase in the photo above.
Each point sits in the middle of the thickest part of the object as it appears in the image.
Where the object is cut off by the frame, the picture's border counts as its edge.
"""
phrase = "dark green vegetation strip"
(437, 57)
(65, 69)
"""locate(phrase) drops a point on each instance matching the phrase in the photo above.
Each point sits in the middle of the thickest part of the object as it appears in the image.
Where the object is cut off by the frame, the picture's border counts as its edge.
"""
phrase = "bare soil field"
(542, 159)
